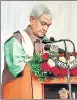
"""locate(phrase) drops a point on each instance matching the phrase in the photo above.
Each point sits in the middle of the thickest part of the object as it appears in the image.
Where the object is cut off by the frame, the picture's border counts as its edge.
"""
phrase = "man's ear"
(32, 19)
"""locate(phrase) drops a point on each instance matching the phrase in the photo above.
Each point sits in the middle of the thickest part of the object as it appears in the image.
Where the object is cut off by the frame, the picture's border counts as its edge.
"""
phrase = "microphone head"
(52, 39)
(46, 41)
(47, 47)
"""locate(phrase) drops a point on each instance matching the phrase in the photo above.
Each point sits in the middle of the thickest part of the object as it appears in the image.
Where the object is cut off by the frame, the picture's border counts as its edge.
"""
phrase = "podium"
(28, 87)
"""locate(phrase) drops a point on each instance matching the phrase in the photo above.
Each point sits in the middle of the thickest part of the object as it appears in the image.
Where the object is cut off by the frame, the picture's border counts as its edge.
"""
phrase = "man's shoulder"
(17, 35)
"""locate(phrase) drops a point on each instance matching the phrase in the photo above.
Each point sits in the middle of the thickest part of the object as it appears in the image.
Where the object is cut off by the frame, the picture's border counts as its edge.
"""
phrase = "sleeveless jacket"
(6, 75)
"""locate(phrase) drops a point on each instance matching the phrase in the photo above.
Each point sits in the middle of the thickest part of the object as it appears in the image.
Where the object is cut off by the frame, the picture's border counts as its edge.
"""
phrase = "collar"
(30, 33)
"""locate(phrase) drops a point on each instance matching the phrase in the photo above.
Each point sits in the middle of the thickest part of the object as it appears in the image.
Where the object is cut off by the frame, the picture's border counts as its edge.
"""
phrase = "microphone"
(47, 47)
(46, 41)
(52, 40)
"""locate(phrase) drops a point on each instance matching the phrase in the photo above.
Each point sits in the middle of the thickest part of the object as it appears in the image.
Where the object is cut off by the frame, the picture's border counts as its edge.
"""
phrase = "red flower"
(73, 71)
(45, 66)
(74, 53)
(55, 70)
(63, 71)
(61, 54)
(45, 56)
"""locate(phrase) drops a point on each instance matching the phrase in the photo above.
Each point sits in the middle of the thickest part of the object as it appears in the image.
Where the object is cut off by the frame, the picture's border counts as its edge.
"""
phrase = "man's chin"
(41, 35)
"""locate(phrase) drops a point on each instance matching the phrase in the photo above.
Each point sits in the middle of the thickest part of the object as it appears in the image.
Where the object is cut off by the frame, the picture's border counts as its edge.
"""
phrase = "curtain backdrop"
(15, 16)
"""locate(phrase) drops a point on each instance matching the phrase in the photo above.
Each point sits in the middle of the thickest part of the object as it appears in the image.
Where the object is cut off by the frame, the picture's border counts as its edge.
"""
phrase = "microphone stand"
(72, 44)
(68, 66)
(67, 61)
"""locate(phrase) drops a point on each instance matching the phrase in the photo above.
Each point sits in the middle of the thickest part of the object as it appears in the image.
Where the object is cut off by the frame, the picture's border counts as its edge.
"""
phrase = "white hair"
(39, 10)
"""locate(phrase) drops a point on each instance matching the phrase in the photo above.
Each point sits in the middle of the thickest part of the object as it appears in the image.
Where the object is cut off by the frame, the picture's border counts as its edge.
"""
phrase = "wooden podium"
(28, 87)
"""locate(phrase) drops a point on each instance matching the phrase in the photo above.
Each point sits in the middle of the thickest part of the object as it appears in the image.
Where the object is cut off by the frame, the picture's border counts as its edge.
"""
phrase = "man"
(17, 50)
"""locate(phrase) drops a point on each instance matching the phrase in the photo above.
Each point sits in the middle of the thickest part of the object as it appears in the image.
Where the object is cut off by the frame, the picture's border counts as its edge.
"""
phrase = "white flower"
(63, 59)
(51, 62)
(72, 58)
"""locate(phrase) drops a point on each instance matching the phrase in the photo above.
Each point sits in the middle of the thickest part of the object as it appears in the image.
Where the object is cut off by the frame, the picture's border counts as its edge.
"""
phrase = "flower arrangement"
(53, 64)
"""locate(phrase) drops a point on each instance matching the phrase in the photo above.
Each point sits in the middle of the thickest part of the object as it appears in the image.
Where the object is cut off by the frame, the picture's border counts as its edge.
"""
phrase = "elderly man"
(20, 46)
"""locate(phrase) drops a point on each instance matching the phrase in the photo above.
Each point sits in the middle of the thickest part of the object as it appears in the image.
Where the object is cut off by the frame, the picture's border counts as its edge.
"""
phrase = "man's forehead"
(45, 18)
